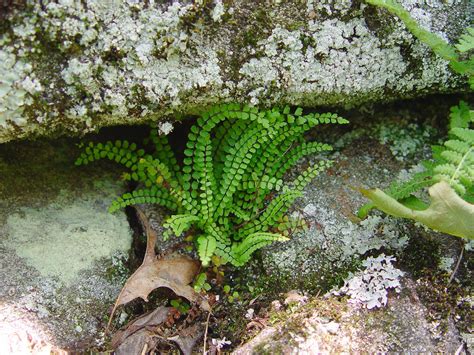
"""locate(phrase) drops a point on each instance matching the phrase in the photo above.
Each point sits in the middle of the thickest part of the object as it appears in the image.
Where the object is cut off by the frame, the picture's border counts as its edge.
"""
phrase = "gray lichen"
(74, 66)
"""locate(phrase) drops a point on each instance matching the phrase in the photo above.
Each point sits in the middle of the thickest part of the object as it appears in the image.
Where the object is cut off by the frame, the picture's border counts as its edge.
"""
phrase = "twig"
(458, 352)
(205, 334)
(457, 265)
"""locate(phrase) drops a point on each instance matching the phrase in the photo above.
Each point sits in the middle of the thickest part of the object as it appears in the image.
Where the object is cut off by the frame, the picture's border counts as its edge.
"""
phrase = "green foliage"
(452, 162)
(180, 305)
(229, 185)
(450, 174)
(201, 283)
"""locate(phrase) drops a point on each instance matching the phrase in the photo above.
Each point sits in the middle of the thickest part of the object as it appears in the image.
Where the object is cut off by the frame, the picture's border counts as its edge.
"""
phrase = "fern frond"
(206, 247)
(222, 144)
(120, 152)
(437, 44)
(309, 174)
(198, 176)
(218, 232)
(243, 251)
(466, 41)
(224, 251)
(458, 169)
(274, 211)
(150, 169)
(465, 134)
(305, 149)
(180, 223)
(155, 195)
(460, 116)
(236, 163)
(164, 153)
(240, 213)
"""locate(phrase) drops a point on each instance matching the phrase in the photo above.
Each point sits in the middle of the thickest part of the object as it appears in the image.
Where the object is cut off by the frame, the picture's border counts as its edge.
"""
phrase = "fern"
(229, 187)
(453, 163)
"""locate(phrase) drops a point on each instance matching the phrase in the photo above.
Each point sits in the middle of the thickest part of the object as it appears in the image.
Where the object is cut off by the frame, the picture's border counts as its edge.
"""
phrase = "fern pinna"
(234, 158)
(452, 162)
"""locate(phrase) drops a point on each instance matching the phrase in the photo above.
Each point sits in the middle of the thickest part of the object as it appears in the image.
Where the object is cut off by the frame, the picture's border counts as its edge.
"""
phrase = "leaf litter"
(173, 272)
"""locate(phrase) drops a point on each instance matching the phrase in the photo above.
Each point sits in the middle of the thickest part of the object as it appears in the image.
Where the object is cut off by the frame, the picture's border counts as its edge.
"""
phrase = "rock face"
(370, 155)
(386, 310)
(326, 325)
(61, 252)
(71, 66)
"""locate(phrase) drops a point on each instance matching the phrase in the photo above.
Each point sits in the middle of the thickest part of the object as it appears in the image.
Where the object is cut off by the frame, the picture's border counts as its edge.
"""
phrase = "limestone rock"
(61, 252)
(71, 66)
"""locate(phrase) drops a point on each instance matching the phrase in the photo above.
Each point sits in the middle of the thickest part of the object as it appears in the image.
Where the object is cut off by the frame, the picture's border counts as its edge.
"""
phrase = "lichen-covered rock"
(327, 325)
(61, 252)
(373, 153)
(71, 66)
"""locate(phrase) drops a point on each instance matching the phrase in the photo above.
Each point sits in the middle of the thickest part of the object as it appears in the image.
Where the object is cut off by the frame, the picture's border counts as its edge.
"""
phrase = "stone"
(390, 309)
(71, 67)
(402, 326)
(372, 154)
(62, 253)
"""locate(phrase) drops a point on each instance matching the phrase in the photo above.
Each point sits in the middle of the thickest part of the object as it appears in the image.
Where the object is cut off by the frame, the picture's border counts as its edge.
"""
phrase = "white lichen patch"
(64, 238)
(109, 62)
(218, 11)
(337, 241)
(17, 85)
(446, 264)
(151, 49)
(165, 128)
(405, 140)
(369, 287)
(330, 57)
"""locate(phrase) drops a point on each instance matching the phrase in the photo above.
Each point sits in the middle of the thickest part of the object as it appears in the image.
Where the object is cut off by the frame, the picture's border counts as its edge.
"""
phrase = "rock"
(372, 154)
(61, 252)
(420, 313)
(74, 66)
(400, 327)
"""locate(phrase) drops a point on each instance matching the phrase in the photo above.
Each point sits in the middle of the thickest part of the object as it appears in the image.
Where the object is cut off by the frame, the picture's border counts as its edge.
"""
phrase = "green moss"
(422, 254)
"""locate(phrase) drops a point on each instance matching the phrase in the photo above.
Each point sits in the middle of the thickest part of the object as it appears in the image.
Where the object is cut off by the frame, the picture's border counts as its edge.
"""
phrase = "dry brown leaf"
(187, 338)
(153, 273)
(157, 317)
(135, 344)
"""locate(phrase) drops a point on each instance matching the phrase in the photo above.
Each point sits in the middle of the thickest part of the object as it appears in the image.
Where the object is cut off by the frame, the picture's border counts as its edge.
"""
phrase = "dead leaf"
(135, 344)
(153, 273)
(187, 338)
(155, 318)
(447, 213)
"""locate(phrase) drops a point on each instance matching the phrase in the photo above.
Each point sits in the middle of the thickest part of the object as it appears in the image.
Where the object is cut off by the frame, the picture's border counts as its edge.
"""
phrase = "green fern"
(234, 161)
(453, 162)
